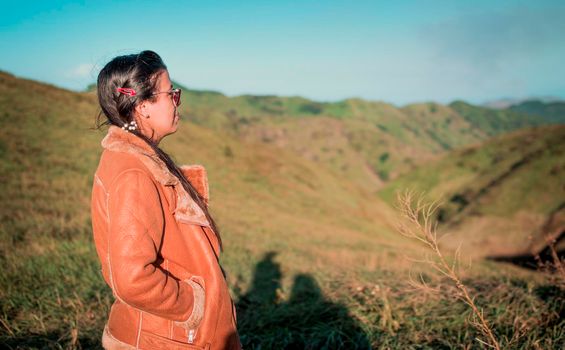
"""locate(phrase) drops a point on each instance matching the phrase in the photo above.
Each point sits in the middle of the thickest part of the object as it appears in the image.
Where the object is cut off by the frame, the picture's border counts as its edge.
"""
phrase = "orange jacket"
(158, 253)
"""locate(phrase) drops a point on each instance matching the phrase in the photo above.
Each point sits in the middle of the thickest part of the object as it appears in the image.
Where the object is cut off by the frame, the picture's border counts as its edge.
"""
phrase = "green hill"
(495, 121)
(553, 112)
(497, 194)
(312, 256)
(354, 137)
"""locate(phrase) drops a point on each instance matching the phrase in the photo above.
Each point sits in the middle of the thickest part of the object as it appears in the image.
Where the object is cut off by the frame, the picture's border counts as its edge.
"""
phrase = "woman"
(157, 243)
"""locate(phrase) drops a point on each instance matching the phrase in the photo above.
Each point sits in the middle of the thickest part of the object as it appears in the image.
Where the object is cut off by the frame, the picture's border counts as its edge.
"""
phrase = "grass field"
(313, 257)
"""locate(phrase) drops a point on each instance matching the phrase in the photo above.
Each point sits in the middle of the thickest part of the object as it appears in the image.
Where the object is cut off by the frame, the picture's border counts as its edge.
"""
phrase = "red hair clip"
(126, 91)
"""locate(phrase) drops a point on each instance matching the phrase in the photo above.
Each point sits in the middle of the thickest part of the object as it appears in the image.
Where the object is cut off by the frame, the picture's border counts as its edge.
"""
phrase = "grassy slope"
(335, 275)
(499, 193)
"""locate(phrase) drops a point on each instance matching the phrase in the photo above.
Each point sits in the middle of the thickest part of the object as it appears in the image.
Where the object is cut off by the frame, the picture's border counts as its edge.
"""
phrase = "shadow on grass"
(306, 321)
(531, 262)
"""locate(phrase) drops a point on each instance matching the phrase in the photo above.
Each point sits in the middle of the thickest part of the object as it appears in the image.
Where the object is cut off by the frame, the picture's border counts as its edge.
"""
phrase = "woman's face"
(160, 118)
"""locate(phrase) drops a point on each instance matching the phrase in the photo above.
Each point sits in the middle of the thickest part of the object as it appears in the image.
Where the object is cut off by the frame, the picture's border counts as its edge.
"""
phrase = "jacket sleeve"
(136, 224)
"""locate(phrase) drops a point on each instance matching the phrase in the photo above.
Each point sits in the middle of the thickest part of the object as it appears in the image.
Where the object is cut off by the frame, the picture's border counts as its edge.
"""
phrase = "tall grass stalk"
(557, 262)
(418, 224)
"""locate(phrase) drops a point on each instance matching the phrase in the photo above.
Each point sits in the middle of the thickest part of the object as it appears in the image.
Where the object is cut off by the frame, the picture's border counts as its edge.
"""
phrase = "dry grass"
(556, 264)
(420, 226)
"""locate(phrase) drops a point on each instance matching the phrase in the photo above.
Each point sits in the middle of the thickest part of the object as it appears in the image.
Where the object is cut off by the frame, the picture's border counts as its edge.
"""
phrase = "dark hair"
(138, 72)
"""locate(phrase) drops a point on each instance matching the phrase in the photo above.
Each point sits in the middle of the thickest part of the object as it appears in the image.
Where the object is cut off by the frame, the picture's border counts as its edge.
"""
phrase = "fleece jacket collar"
(187, 210)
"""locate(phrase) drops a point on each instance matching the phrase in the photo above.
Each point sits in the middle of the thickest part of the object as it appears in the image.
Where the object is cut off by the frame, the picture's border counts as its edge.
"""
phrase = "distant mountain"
(550, 111)
(493, 121)
(505, 103)
(502, 103)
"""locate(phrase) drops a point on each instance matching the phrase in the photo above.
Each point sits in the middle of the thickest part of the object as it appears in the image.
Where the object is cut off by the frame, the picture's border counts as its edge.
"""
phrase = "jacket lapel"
(187, 210)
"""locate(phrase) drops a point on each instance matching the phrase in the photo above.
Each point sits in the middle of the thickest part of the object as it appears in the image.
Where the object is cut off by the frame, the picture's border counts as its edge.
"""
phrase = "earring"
(130, 126)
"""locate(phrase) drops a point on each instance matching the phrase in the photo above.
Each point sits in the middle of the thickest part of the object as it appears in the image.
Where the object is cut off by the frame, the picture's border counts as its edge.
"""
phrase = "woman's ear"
(141, 110)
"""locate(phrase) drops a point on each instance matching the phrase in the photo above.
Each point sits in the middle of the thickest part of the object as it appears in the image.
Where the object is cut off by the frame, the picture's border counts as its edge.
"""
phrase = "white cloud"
(83, 70)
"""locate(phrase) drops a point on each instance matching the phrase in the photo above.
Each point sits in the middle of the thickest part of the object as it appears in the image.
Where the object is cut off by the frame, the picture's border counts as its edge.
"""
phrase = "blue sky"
(393, 51)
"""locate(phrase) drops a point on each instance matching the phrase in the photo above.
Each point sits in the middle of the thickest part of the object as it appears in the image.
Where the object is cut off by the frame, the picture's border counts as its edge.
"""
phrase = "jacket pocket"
(152, 341)
(195, 319)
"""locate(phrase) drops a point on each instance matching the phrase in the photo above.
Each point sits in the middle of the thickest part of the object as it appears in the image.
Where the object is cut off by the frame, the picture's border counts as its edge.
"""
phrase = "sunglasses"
(175, 93)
